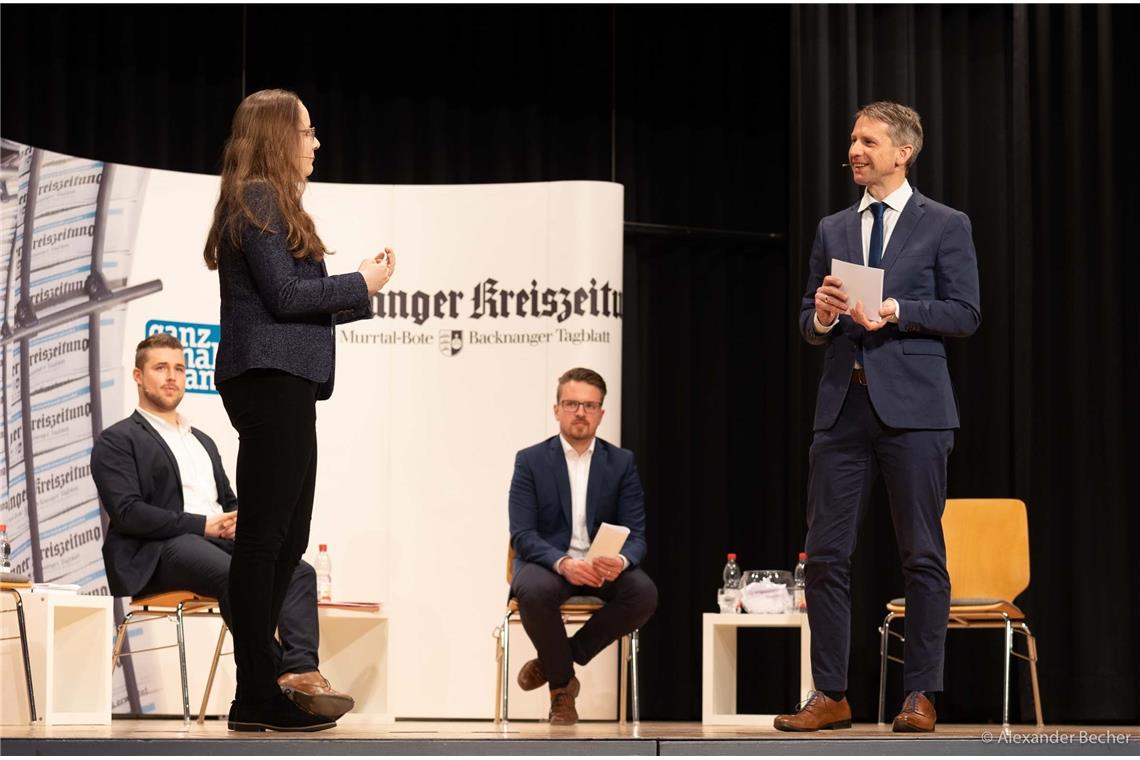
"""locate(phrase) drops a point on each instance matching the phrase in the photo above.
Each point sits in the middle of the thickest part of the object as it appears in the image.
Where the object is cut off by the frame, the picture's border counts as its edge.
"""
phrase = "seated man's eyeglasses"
(591, 407)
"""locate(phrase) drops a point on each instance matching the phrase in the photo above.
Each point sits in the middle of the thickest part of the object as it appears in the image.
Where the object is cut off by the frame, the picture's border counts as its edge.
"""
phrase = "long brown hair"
(263, 146)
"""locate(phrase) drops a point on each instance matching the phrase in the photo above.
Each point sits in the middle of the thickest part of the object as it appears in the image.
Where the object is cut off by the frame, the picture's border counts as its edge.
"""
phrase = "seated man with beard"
(563, 489)
(173, 518)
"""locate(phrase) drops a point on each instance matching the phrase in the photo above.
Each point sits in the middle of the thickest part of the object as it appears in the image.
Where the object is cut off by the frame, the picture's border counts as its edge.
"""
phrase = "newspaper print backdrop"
(66, 243)
(498, 289)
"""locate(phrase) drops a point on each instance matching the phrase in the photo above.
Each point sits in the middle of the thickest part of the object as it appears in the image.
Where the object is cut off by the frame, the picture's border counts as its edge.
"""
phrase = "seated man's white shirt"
(199, 489)
(578, 468)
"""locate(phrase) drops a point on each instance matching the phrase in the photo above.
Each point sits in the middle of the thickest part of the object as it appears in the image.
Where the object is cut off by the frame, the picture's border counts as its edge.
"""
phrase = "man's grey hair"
(904, 125)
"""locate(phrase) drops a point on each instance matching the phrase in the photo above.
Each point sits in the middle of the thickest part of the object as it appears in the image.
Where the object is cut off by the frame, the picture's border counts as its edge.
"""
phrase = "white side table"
(17, 707)
(69, 642)
(354, 657)
(718, 664)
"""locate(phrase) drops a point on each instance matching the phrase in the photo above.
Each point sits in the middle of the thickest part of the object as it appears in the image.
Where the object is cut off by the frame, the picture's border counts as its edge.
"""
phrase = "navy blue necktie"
(875, 250)
(874, 258)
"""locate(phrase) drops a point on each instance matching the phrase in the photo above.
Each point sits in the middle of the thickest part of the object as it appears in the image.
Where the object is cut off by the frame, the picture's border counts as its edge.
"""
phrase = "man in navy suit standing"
(563, 489)
(885, 405)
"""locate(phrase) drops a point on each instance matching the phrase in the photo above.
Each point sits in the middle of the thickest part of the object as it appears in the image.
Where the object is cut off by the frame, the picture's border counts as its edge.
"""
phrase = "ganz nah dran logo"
(200, 345)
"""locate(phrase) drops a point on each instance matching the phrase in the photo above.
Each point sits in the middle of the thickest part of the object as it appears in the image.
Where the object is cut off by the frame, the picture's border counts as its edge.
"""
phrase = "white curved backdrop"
(498, 289)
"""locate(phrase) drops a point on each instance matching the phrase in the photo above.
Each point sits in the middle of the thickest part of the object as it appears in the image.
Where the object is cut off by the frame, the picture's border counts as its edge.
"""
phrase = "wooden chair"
(12, 589)
(576, 609)
(987, 556)
(176, 605)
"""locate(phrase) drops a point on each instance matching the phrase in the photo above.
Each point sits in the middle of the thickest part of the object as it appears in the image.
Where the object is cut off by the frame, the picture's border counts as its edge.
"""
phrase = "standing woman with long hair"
(279, 307)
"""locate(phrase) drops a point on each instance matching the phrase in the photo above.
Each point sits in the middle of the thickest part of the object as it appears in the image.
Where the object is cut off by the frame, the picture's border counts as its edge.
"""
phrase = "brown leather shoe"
(562, 710)
(917, 714)
(531, 675)
(817, 712)
(312, 692)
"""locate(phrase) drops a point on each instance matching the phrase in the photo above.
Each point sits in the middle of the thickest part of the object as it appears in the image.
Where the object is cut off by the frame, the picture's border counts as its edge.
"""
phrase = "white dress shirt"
(895, 203)
(199, 489)
(578, 468)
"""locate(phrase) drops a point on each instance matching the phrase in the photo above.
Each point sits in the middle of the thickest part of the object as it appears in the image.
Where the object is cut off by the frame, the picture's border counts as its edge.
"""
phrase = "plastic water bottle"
(732, 578)
(324, 574)
(5, 550)
(799, 582)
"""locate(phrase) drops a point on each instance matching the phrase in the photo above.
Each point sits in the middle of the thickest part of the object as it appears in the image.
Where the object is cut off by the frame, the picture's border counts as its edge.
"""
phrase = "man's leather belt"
(858, 376)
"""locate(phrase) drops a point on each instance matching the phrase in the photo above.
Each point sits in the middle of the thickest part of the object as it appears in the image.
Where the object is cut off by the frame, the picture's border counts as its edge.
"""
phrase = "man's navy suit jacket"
(931, 269)
(140, 487)
(540, 507)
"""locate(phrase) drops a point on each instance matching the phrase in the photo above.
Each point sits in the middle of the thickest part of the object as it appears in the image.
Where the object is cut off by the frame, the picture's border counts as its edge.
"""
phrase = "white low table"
(354, 657)
(718, 664)
(69, 645)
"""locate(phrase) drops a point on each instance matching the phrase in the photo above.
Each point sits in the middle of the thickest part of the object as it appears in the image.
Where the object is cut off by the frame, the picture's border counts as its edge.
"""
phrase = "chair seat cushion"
(172, 599)
(963, 607)
(573, 604)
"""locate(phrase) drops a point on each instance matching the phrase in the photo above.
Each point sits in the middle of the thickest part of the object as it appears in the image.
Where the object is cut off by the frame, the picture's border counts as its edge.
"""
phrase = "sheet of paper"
(860, 283)
(608, 541)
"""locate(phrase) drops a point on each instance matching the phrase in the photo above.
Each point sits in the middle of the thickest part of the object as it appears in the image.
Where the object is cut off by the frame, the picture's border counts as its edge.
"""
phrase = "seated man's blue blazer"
(540, 501)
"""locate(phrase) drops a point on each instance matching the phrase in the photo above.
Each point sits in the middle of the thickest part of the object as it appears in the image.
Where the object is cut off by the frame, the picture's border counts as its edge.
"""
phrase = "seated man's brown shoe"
(562, 710)
(312, 692)
(816, 713)
(531, 675)
(917, 714)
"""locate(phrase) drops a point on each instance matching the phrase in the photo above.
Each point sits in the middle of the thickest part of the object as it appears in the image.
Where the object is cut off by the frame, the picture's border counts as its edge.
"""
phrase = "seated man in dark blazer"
(174, 516)
(563, 489)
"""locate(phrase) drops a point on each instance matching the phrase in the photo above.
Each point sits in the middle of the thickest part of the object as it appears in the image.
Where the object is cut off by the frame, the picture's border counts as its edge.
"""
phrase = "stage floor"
(171, 737)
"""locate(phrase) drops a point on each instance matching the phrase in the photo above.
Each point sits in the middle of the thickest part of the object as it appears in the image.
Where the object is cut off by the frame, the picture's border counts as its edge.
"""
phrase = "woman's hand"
(378, 270)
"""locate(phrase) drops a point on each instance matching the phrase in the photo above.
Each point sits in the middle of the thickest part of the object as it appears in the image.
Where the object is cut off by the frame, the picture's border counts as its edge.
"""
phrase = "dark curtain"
(1023, 110)
(700, 135)
(134, 84)
(442, 93)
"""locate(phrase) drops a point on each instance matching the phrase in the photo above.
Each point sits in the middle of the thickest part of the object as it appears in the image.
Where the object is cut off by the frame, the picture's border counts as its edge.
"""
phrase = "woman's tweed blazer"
(277, 311)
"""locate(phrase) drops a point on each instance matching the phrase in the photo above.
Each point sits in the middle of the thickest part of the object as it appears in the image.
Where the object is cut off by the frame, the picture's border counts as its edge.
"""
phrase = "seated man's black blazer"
(139, 485)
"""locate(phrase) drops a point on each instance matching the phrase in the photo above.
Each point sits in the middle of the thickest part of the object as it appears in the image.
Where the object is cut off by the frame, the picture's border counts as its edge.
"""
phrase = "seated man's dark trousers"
(630, 602)
(202, 565)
